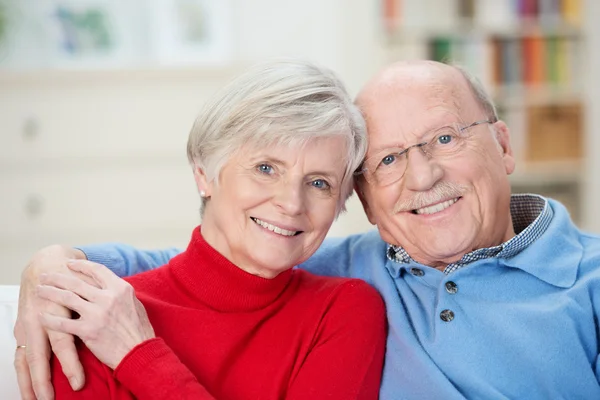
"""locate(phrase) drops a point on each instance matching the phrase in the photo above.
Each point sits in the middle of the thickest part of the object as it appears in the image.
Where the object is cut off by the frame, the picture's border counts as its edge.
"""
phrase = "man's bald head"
(441, 80)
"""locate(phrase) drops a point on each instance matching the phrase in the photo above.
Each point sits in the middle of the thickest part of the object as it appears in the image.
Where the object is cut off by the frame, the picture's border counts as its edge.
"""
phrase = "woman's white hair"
(284, 102)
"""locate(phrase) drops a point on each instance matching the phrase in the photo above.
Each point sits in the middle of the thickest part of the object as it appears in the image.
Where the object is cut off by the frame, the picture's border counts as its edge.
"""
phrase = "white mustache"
(442, 191)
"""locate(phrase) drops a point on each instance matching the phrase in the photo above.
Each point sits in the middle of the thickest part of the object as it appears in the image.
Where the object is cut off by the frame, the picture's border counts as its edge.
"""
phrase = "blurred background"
(97, 98)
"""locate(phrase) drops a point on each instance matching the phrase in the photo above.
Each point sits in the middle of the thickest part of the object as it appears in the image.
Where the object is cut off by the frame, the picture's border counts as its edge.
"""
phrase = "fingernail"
(74, 383)
(71, 261)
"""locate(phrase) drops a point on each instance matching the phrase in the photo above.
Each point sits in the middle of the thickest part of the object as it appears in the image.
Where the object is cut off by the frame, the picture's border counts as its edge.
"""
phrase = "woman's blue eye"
(387, 160)
(320, 184)
(265, 169)
(444, 139)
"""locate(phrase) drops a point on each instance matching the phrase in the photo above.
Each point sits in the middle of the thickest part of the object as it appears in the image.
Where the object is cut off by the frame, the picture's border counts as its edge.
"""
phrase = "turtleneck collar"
(208, 277)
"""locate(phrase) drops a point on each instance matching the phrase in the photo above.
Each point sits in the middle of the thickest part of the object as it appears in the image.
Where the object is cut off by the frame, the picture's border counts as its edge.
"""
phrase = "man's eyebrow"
(381, 148)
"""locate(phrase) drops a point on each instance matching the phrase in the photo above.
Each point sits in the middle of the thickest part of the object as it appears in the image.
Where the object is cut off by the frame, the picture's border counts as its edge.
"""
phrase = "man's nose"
(422, 171)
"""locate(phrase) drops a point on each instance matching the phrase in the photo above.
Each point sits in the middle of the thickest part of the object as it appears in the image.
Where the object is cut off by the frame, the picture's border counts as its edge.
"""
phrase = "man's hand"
(32, 362)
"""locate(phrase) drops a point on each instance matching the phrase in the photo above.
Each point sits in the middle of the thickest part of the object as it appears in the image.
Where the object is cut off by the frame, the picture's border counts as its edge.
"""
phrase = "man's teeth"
(436, 207)
(274, 228)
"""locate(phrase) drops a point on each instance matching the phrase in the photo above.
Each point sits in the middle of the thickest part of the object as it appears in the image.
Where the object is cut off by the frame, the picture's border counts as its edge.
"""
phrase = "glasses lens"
(446, 143)
(389, 167)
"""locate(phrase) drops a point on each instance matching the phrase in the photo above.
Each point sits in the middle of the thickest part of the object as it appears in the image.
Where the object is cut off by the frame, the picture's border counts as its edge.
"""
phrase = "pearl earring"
(202, 193)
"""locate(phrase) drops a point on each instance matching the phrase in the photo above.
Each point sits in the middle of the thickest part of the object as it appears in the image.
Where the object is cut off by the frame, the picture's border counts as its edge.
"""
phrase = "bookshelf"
(531, 55)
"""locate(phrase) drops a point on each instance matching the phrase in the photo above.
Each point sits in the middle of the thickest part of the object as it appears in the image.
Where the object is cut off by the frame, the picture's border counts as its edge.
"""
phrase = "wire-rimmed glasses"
(389, 165)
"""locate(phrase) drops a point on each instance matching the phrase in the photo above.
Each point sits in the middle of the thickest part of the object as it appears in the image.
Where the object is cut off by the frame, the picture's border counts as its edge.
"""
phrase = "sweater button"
(417, 272)
(447, 315)
(451, 287)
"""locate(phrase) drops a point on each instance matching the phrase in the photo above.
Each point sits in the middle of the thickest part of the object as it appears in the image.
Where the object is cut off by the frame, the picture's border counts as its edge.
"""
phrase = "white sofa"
(9, 296)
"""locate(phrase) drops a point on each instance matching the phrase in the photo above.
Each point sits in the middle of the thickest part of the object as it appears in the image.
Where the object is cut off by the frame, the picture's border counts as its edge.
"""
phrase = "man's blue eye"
(444, 139)
(265, 169)
(387, 160)
(320, 184)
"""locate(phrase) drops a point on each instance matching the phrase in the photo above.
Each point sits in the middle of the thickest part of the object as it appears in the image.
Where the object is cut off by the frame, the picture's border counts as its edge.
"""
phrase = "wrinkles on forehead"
(448, 95)
(440, 81)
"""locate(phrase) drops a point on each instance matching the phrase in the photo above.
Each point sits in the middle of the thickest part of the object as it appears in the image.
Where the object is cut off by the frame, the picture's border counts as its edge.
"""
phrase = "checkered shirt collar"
(531, 215)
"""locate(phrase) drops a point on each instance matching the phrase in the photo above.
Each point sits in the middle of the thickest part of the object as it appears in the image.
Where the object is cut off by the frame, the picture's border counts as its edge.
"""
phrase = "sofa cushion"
(9, 297)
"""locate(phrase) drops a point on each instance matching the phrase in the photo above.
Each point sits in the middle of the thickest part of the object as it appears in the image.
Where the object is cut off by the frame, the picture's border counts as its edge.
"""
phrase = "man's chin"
(439, 256)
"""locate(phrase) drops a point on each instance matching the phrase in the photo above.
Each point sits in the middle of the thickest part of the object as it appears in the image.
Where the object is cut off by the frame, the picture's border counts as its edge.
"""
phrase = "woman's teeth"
(274, 228)
(436, 207)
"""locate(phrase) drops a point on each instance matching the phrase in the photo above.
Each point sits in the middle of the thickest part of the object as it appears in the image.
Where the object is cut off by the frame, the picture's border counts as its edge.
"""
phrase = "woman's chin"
(269, 271)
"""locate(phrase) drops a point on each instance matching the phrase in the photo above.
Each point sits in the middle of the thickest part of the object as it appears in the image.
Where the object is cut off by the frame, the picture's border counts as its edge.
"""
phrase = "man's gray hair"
(285, 102)
(484, 100)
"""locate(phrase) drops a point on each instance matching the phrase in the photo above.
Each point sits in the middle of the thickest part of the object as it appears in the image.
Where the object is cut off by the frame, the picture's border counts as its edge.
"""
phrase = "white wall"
(109, 161)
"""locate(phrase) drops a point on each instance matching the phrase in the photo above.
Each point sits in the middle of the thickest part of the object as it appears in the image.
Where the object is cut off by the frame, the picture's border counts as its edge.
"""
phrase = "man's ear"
(202, 183)
(503, 138)
(358, 188)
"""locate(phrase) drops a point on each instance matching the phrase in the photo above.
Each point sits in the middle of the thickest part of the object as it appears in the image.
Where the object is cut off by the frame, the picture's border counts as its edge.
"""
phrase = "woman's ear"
(202, 183)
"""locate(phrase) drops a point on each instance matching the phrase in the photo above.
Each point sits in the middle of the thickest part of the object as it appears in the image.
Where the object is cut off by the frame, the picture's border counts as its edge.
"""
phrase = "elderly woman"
(273, 156)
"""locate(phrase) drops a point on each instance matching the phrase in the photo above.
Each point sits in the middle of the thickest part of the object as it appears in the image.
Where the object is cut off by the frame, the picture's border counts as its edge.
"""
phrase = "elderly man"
(488, 296)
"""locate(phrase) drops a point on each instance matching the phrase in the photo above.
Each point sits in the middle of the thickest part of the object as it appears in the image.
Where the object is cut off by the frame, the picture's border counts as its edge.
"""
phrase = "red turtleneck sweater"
(225, 334)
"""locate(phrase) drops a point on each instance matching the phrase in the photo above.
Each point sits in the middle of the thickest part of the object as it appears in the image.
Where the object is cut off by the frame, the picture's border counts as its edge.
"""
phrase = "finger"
(63, 347)
(20, 362)
(61, 324)
(63, 298)
(98, 272)
(37, 355)
(23, 377)
(71, 283)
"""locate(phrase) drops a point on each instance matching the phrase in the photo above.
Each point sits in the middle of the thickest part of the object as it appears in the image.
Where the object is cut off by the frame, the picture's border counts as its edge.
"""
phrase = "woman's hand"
(111, 322)
(32, 362)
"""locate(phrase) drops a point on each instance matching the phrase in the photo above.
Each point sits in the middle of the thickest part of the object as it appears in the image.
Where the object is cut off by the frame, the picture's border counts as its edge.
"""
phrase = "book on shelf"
(551, 62)
(500, 15)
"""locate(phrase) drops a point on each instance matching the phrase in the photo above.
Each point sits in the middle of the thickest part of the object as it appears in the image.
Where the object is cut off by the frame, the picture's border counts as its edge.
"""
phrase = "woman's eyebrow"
(327, 174)
(266, 158)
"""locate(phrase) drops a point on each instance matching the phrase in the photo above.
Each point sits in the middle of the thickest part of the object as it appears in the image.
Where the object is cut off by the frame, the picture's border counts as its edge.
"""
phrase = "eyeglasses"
(389, 165)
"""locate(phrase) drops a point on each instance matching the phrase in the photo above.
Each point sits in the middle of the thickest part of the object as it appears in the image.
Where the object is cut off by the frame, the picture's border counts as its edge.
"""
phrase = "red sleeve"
(99, 382)
(150, 371)
(346, 360)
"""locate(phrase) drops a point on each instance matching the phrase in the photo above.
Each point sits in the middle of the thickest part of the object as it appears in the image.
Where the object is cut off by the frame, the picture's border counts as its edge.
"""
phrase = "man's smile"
(435, 208)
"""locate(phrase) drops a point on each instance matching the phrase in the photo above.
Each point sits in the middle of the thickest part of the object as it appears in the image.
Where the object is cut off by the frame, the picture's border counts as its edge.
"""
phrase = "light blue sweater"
(525, 327)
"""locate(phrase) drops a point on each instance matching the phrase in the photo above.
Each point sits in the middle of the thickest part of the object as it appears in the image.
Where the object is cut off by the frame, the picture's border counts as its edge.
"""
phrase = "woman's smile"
(277, 229)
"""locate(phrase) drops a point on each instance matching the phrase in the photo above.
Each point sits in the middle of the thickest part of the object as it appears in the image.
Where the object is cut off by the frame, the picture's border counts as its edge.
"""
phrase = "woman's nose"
(290, 198)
